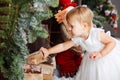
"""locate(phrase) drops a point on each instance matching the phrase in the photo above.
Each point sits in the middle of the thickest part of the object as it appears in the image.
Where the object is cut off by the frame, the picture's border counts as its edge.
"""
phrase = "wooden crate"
(36, 67)
(46, 73)
(33, 76)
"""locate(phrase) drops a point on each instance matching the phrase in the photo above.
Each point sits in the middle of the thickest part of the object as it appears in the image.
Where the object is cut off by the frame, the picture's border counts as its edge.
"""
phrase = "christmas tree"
(104, 12)
(20, 23)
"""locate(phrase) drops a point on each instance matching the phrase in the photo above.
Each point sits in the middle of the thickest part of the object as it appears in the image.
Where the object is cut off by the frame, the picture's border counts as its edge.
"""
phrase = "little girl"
(101, 60)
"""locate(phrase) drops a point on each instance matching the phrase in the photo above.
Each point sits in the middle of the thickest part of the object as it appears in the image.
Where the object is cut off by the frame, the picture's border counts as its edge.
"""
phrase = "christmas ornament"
(107, 12)
(115, 26)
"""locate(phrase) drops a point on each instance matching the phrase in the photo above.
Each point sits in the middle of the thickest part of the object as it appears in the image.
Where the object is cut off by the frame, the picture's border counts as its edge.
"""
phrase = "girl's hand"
(44, 51)
(95, 55)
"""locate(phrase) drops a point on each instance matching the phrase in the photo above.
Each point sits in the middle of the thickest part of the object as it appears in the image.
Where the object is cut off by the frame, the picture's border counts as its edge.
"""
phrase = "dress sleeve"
(97, 33)
(76, 40)
(102, 30)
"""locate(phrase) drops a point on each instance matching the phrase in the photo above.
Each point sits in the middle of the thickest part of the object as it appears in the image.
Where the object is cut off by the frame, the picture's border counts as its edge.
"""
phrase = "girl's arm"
(58, 48)
(109, 43)
(61, 47)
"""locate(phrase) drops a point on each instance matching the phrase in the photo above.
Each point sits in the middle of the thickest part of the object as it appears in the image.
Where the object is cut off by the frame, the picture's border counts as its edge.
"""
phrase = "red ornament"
(114, 17)
(115, 26)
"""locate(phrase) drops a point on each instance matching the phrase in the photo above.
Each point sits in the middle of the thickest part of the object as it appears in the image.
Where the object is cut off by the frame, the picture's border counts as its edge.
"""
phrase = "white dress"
(105, 68)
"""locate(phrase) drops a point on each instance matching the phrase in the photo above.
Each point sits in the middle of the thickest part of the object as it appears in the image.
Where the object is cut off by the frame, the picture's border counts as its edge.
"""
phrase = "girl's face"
(77, 29)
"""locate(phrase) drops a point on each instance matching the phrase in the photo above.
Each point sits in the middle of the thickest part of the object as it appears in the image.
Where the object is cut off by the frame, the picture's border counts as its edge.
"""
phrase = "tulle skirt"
(105, 68)
(55, 76)
(62, 78)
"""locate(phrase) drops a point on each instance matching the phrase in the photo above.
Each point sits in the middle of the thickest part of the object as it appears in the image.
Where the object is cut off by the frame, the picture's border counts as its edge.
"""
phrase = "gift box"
(38, 68)
(35, 58)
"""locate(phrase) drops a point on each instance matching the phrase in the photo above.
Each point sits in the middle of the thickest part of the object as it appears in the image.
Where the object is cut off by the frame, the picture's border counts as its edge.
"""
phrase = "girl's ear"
(85, 25)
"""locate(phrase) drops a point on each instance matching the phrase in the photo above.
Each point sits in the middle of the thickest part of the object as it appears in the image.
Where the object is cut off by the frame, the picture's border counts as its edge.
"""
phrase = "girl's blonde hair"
(82, 14)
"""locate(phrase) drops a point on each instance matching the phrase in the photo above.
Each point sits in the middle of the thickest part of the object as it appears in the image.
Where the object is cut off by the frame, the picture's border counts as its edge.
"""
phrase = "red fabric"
(66, 3)
(68, 61)
(71, 4)
(63, 2)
